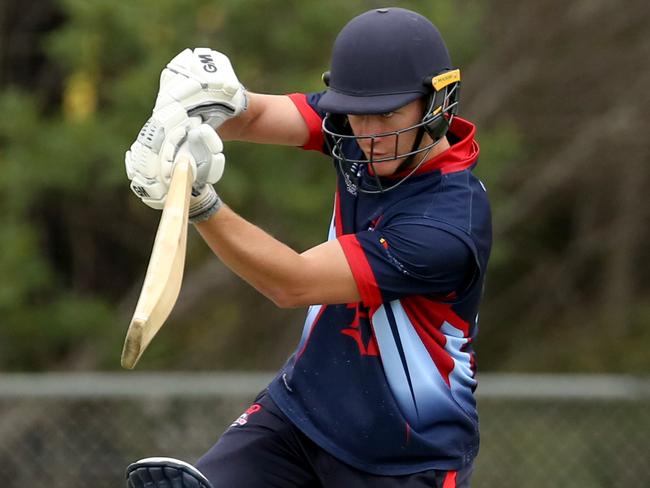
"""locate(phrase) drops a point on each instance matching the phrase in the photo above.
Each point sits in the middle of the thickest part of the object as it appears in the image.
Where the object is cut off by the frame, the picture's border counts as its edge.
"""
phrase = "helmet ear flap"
(435, 121)
(443, 102)
(437, 128)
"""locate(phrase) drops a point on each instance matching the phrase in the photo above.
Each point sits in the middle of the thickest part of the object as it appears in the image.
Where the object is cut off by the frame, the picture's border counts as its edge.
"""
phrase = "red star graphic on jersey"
(361, 331)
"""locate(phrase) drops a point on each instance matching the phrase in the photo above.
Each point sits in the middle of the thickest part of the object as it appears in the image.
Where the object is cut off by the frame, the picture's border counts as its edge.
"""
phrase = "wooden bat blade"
(162, 282)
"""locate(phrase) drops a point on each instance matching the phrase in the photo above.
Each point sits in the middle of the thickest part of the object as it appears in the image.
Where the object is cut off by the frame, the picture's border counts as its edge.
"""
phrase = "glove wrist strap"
(204, 204)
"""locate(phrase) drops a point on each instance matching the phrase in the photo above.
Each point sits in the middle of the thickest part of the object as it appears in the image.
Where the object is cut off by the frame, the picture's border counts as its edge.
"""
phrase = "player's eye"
(388, 115)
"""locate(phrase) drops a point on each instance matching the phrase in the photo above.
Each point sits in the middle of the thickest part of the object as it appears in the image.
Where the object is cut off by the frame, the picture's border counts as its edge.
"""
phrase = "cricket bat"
(162, 282)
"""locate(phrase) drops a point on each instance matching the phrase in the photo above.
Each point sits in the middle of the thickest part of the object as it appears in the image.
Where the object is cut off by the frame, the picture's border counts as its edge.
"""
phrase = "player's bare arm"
(202, 84)
(269, 119)
(318, 275)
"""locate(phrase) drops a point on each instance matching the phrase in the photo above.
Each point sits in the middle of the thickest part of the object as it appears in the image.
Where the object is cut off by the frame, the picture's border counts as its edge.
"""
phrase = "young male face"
(383, 147)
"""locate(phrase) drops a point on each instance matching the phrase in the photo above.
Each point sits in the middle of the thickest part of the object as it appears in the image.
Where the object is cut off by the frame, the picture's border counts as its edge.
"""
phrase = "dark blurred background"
(559, 91)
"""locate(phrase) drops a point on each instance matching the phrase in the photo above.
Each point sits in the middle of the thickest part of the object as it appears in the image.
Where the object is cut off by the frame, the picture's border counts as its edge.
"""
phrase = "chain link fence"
(64, 431)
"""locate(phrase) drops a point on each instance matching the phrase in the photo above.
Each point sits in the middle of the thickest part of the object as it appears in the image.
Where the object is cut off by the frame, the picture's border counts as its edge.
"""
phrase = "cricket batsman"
(380, 389)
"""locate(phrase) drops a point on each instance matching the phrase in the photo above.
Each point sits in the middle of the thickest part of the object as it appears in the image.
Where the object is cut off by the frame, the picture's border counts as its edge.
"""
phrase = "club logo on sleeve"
(243, 418)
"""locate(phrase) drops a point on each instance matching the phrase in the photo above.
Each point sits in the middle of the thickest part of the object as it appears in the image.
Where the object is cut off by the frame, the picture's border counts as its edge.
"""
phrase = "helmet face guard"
(442, 106)
(381, 60)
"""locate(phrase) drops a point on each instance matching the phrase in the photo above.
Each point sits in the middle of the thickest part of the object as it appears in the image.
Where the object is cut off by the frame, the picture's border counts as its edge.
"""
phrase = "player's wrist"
(204, 203)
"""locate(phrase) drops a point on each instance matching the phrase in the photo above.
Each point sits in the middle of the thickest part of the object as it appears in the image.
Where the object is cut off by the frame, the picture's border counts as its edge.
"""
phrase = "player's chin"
(386, 168)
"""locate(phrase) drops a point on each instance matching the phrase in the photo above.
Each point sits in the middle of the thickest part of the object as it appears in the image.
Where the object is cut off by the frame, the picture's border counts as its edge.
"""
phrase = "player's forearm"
(269, 119)
(268, 265)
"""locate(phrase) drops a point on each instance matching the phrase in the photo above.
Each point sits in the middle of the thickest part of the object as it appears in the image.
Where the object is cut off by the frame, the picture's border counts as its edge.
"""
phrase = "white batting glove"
(150, 161)
(204, 83)
(205, 146)
(147, 161)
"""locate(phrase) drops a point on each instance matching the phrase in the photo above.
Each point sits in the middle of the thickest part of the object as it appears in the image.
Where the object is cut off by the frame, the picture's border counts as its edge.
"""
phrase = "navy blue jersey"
(386, 384)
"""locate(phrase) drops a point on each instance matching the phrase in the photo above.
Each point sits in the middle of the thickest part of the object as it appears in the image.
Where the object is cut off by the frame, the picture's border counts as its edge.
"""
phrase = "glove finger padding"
(150, 159)
(151, 191)
(171, 148)
(206, 66)
(204, 83)
(143, 157)
(206, 148)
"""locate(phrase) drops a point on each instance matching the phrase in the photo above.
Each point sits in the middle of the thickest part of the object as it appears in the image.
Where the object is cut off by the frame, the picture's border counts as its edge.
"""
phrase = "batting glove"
(206, 148)
(204, 83)
(150, 161)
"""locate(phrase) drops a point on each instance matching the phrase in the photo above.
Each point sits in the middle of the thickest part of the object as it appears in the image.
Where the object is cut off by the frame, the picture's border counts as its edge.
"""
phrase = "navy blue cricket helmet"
(384, 59)
(380, 61)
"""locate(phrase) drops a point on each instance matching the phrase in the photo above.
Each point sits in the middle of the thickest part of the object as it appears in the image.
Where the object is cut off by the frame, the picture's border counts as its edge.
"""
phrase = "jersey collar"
(462, 154)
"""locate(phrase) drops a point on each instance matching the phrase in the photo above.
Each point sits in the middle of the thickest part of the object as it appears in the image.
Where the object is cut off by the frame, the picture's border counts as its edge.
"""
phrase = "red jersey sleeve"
(313, 120)
(408, 259)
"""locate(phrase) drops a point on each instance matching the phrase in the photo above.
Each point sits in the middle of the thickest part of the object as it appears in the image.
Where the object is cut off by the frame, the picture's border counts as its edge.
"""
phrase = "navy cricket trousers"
(263, 449)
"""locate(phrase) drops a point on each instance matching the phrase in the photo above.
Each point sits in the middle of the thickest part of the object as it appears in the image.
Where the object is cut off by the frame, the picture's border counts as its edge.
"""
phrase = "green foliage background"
(74, 242)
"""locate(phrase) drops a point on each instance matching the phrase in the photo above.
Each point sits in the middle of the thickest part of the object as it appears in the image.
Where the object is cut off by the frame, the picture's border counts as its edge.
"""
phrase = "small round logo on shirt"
(243, 418)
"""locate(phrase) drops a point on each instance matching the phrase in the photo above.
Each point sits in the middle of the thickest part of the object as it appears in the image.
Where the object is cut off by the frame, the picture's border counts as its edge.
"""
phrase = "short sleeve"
(307, 105)
(408, 259)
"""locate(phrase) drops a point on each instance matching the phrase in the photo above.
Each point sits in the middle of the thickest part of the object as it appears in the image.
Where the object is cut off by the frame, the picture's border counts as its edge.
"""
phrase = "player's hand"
(204, 83)
(150, 161)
